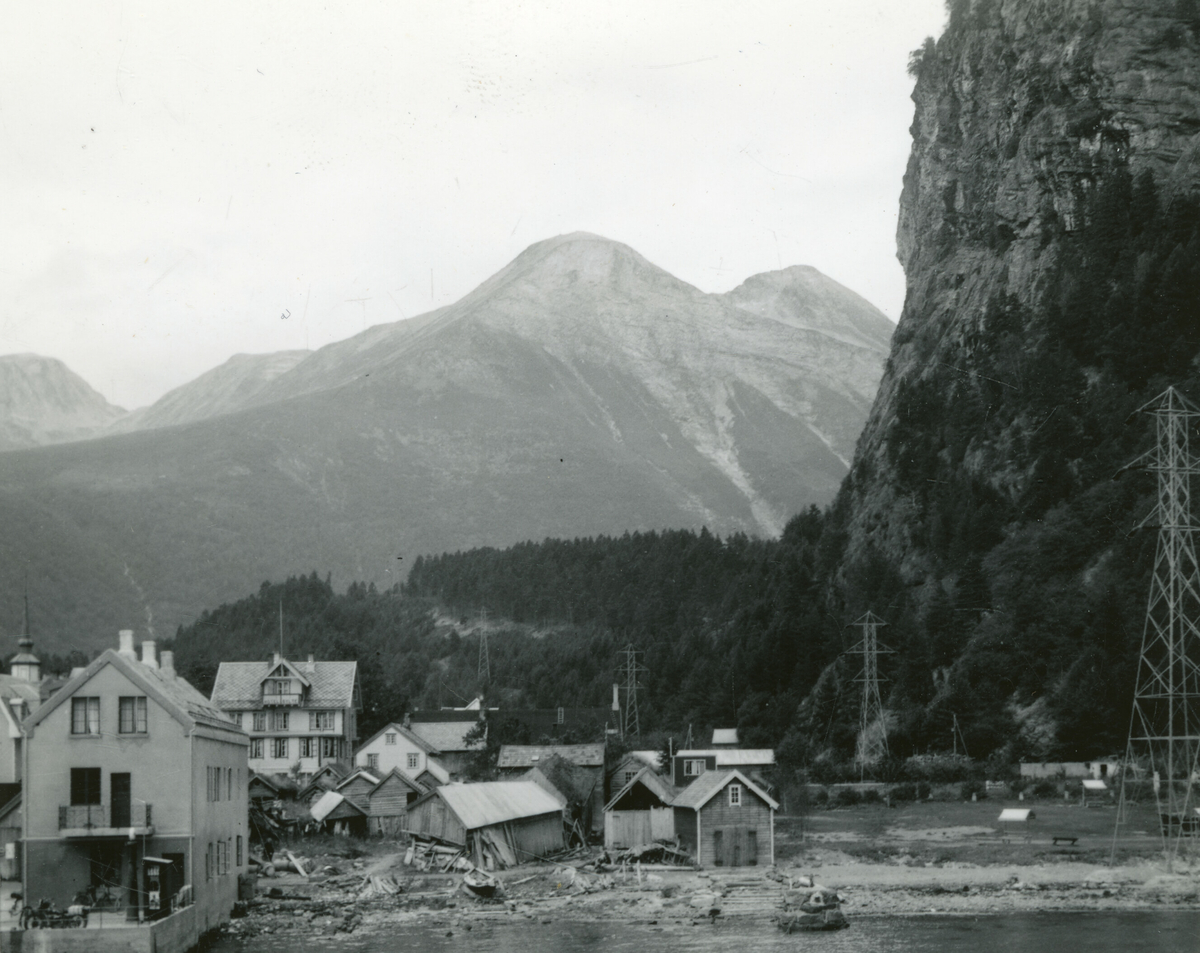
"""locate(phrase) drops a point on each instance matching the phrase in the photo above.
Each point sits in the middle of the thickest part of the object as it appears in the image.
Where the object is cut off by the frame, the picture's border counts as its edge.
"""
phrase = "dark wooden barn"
(723, 819)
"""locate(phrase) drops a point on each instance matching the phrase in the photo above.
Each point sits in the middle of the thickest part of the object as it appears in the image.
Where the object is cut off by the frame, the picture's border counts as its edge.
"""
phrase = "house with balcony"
(135, 791)
(300, 715)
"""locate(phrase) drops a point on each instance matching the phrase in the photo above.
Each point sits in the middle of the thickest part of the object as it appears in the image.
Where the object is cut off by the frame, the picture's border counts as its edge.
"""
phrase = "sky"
(183, 182)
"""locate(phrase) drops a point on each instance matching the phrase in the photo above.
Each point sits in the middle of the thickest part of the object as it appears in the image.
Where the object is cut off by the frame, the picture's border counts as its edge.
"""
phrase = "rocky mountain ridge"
(580, 391)
(42, 401)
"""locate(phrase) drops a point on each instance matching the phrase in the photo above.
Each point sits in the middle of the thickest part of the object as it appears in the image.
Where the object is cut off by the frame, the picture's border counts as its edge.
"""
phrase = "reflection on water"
(1168, 932)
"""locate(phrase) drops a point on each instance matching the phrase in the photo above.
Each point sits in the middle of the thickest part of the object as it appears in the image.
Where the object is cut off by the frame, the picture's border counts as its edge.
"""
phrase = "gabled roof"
(638, 760)
(445, 736)
(360, 773)
(264, 780)
(494, 802)
(652, 781)
(328, 803)
(404, 778)
(289, 669)
(732, 757)
(331, 684)
(401, 730)
(528, 756)
(710, 783)
(174, 694)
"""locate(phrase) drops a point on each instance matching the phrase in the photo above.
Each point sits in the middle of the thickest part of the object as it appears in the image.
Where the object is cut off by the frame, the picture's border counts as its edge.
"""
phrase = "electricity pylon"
(1164, 728)
(872, 726)
(632, 668)
(485, 662)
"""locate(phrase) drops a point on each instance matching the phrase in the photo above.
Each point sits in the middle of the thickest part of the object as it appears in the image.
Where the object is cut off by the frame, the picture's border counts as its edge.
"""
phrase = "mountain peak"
(805, 298)
(43, 401)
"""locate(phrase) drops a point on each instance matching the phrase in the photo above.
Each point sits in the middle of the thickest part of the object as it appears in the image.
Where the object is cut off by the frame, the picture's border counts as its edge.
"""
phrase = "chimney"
(616, 706)
(148, 658)
(167, 663)
(76, 670)
(126, 649)
(276, 658)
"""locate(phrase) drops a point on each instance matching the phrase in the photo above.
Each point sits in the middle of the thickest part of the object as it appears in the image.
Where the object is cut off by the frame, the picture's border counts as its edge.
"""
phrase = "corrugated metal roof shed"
(732, 757)
(527, 756)
(494, 802)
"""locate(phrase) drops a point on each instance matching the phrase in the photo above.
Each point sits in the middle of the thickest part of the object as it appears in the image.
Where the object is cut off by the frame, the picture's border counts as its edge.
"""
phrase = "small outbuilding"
(338, 815)
(724, 819)
(388, 803)
(357, 787)
(641, 812)
(498, 823)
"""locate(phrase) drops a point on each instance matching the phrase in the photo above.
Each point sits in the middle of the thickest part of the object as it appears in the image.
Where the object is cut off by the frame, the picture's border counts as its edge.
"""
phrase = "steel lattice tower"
(632, 669)
(872, 727)
(485, 661)
(1164, 729)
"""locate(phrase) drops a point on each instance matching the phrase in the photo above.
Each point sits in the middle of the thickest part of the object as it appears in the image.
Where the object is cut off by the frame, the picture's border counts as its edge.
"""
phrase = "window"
(372, 761)
(693, 767)
(260, 721)
(629, 776)
(85, 785)
(256, 747)
(279, 747)
(236, 718)
(413, 761)
(279, 721)
(329, 747)
(320, 721)
(229, 784)
(220, 858)
(131, 710)
(239, 850)
(735, 795)
(213, 790)
(562, 715)
(85, 716)
(306, 747)
(390, 738)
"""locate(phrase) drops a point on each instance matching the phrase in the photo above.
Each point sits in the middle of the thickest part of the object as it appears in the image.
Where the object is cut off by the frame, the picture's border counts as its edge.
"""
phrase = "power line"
(1164, 727)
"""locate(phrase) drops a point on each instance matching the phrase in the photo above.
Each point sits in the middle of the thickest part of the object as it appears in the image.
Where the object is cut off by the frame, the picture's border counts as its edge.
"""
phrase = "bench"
(1068, 839)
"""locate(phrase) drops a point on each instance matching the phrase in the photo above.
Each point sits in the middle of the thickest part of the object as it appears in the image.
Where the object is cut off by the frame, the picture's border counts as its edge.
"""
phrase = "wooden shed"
(641, 812)
(357, 788)
(339, 815)
(388, 803)
(498, 823)
(725, 820)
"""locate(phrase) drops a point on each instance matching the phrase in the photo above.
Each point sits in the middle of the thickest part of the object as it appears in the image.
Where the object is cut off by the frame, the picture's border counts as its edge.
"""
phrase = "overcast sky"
(176, 177)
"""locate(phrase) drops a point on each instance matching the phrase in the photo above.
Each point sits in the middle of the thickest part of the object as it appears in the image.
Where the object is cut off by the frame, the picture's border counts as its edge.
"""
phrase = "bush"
(903, 792)
(1017, 785)
(846, 797)
(821, 798)
(1045, 788)
(978, 789)
(871, 796)
(923, 790)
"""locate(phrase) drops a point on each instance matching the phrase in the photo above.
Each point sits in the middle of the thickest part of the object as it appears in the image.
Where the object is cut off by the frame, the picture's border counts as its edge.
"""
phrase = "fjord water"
(1167, 932)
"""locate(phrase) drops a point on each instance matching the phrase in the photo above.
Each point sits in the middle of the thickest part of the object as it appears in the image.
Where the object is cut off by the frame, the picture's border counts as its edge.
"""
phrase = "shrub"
(923, 790)
(978, 789)
(821, 798)
(904, 792)
(871, 796)
(1045, 788)
(846, 797)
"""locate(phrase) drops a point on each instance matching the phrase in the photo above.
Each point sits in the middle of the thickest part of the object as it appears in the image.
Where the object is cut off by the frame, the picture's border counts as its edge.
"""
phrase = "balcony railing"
(291, 698)
(86, 817)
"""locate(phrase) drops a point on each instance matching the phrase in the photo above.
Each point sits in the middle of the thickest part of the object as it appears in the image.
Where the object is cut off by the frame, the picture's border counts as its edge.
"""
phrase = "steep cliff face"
(1048, 231)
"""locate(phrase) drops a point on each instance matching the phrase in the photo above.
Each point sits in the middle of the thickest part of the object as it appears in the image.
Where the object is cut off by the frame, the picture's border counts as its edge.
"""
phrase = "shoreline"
(544, 894)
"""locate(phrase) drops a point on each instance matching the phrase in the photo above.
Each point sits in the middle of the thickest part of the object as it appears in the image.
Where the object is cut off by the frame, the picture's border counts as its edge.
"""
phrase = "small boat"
(480, 884)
